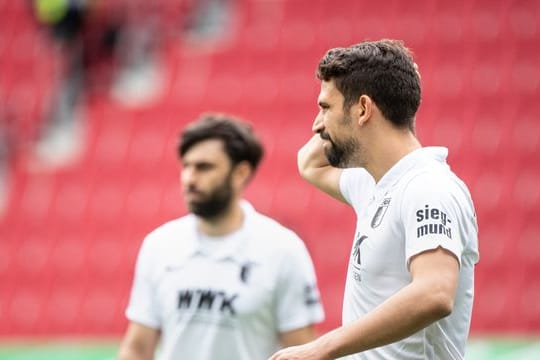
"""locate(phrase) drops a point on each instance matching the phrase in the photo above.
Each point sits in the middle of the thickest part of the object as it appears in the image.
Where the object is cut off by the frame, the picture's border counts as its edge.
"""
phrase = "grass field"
(478, 349)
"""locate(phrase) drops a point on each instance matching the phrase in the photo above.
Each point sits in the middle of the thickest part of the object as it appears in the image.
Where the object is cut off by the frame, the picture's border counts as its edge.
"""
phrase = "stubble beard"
(341, 155)
(344, 153)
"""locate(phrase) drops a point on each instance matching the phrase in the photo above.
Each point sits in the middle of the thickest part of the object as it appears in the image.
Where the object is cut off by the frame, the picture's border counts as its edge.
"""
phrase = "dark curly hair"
(239, 140)
(384, 70)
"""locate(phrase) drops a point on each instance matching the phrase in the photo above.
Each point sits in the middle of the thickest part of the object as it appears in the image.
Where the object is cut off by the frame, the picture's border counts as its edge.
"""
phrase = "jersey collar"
(230, 251)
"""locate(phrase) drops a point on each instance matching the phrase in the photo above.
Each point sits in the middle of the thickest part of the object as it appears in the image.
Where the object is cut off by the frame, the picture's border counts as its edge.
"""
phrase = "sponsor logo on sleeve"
(311, 294)
(432, 221)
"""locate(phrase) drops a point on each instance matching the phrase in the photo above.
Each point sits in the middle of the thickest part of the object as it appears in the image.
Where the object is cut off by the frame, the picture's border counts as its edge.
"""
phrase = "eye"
(204, 166)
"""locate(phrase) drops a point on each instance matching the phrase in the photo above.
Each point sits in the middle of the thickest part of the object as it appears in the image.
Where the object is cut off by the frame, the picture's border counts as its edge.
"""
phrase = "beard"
(340, 154)
(335, 155)
(215, 203)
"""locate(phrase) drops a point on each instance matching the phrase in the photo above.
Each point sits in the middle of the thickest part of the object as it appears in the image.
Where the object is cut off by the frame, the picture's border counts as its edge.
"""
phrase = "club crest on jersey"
(379, 214)
(245, 271)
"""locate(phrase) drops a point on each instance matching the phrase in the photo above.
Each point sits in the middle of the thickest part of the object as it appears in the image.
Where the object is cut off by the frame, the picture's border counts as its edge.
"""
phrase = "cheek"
(331, 127)
(213, 182)
(332, 120)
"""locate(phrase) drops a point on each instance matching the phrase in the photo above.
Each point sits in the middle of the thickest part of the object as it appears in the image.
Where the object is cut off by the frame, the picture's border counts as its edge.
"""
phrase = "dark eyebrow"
(199, 163)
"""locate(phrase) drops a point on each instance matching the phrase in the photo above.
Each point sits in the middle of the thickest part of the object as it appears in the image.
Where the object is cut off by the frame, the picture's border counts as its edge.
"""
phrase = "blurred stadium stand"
(69, 234)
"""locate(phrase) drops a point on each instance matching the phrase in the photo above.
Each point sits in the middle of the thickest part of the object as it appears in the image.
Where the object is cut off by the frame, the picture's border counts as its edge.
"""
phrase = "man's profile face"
(207, 179)
(334, 126)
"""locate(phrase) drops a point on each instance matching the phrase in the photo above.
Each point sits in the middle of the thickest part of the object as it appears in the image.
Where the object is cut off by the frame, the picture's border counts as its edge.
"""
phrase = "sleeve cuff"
(141, 318)
(443, 242)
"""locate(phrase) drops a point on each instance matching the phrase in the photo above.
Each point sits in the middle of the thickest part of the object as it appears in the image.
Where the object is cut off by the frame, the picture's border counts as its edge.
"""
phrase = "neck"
(385, 154)
(227, 222)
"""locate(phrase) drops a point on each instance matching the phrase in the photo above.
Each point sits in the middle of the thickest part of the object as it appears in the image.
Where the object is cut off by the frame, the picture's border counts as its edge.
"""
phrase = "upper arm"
(437, 270)
(436, 213)
(142, 307)
(327, 180)
(139, 342)
(297, 336)
(297, 298)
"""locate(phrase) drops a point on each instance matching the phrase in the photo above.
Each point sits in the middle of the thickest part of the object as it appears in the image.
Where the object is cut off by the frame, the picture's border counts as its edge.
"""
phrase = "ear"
(241, 174)
(363, 109)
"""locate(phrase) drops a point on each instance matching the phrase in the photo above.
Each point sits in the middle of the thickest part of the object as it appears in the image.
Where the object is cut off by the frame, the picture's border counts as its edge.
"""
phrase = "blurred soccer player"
(224, 282)
(409, 287)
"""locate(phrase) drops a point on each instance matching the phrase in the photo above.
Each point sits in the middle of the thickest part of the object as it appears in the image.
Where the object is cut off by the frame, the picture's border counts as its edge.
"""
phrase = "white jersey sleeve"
(141, 307)
(297, 298)
(436, 212)
(356, 185)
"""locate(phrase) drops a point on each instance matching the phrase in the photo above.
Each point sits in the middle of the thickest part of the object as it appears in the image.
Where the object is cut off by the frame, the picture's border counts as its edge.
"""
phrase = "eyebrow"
(199, 163)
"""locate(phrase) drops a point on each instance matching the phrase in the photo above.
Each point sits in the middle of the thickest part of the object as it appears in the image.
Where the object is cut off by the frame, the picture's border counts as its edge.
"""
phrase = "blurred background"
(93, 95)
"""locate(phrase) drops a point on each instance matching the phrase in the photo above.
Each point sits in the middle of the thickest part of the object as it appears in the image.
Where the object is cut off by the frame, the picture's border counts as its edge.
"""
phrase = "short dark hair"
(384, 70)
(239, 141)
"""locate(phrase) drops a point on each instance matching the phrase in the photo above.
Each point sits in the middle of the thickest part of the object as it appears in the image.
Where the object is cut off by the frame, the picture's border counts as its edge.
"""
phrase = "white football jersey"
(418, 205)
(224, 298)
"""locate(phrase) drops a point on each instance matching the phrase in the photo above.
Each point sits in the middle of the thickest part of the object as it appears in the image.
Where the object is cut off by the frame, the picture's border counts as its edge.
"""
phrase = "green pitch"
(478, 349)
(59, 350)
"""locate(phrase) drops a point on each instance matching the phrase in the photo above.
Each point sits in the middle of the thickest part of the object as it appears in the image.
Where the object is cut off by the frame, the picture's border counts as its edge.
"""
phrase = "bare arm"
(297, 336)
(315, 169)
(139, 343)
(428, 298)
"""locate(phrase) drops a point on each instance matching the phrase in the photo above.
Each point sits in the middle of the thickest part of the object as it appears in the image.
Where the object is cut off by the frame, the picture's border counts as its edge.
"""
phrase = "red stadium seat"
(529, 307)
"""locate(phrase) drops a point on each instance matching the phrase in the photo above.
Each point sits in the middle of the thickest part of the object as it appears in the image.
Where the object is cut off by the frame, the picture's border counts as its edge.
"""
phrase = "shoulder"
(170, 242)
(175, 231)
(268, 227)
(357, 173)
(272, 236)
(436, 185)
(355, 177)
(355, 185)
(432, 179)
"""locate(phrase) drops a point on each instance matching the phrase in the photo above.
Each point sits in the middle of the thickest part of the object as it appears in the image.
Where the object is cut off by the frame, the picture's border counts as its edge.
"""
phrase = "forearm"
(408, 311)
(139, 343)
(297, 336)
(315, 169)
(132, 353)
(311, 159)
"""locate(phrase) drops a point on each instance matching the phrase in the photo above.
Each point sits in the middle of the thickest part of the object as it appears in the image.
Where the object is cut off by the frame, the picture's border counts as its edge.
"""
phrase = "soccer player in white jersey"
(410, 281)
(223, 282)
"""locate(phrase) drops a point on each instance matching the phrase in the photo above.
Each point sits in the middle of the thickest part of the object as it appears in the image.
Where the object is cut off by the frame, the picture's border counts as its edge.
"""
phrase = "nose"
(318, 124)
